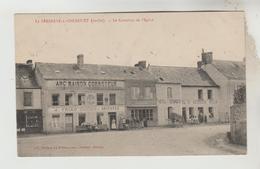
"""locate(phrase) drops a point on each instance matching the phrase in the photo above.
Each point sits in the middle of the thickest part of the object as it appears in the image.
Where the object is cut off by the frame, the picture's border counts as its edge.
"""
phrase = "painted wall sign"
(85, 84)
(82, 109)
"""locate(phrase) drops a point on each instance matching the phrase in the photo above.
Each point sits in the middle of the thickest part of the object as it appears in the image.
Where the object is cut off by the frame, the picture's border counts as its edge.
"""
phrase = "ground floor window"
(211, 113)
(82, 118)
(142, 114)
(191, 112)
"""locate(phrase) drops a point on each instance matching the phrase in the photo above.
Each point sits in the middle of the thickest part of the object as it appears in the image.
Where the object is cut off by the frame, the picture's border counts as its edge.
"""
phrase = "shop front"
(144, 116)
(69, 118)
(29, 121)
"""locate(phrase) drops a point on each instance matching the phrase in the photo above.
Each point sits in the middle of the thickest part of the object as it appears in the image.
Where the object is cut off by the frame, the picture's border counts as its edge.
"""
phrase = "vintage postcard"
(131, 84)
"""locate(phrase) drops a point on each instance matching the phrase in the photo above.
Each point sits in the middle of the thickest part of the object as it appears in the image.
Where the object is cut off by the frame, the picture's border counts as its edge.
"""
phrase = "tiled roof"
(93, 71)
(25, 77)
(231, 69)
(186, 76)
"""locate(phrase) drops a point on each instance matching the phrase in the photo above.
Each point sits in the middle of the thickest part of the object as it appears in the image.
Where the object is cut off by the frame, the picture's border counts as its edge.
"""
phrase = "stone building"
(228, 75)
(186, 91)
(28, 99)
(73, 94)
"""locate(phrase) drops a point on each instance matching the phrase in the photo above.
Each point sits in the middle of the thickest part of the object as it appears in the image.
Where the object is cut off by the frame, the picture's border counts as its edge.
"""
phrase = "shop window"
(135, 92)
(112, 99)
(82, 118)
(100, 118)
(32, 120)
(132, 114)
(68, 99)
(169, 92)
(148, 93)
(200, 94)
(150, 115)
(209, 94)
(81, 99)
(100, 100)
(27, 98)
(191, 112)
(55, 120)
(55, 99)
(211, 112)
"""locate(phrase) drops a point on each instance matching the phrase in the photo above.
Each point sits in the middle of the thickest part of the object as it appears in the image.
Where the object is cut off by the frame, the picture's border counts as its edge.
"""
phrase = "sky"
(170, 38)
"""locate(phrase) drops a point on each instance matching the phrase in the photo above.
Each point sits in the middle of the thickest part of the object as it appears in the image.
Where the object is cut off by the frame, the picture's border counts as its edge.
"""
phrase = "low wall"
(238, 124)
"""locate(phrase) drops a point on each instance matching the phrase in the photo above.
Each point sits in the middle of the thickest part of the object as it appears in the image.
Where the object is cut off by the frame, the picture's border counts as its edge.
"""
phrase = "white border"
(8, 158)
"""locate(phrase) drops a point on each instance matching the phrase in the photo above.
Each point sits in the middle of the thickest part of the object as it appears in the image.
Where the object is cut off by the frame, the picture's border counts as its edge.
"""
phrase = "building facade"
(55, 98)
(28, 100)
(228, 75)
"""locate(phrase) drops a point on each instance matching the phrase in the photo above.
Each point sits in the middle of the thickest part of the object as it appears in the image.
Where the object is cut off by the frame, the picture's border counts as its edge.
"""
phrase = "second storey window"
(81, 99)
(169, 92)
(27, 98)
(209, 94)
(135, 92)
(148, 93)
(68, 99)
(200, 94)
(112, 99)
(100, 100)
(55, 99)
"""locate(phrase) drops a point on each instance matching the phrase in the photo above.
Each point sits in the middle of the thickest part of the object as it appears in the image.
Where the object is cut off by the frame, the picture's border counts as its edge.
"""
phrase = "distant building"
(28, 99)
(228, 75)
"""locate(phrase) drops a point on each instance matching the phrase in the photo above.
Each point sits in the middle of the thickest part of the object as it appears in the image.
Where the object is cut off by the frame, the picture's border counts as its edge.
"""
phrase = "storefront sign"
(85, 84)
(82, 109)
(199, 102)
(169, 101)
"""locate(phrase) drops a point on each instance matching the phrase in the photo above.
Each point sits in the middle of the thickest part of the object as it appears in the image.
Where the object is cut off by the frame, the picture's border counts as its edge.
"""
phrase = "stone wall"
(238, 124)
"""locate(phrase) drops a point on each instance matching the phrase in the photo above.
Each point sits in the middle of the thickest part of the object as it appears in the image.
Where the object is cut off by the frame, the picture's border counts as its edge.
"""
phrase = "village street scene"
(130, 93)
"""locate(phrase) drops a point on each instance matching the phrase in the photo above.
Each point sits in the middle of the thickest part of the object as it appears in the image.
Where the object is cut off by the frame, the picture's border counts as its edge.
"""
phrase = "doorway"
(69, 123)
(112, 120)
(184, 115)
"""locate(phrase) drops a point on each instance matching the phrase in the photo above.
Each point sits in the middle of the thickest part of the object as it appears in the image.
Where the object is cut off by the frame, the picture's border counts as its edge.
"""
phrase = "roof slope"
(25, 77)
(186, 76)
(93, 71)
(231, 69)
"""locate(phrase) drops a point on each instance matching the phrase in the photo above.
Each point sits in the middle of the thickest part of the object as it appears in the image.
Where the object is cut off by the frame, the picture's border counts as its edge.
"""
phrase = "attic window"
(57, 71)
(161, 79)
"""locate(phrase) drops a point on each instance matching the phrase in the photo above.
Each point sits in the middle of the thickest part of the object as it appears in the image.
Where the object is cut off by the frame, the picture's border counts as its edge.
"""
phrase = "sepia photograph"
(131, 84)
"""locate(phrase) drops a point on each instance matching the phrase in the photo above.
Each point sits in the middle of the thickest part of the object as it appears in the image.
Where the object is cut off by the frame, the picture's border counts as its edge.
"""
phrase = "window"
(191, 112)
(211, 112)
(27, 98)
(68, 99)
(112, 99)
(209, 94)
(82, 118)
(169, 92)
(135, 92)
(55, 99)
(148, 93)
(81, 99)
(55, 120)
(100, 99)
(200, 94)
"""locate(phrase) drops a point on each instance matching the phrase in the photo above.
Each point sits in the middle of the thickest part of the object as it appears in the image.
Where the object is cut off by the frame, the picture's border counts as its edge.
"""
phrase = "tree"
(240, 95)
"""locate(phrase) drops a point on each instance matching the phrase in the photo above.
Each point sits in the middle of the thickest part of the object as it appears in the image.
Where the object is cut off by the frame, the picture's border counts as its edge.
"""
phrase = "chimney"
(141, 64)
(207, 57)
(80, 60)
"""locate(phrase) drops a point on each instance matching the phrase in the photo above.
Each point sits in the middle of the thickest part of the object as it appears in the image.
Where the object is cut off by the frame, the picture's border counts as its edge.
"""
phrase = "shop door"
(68, 123)
(112, 120)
